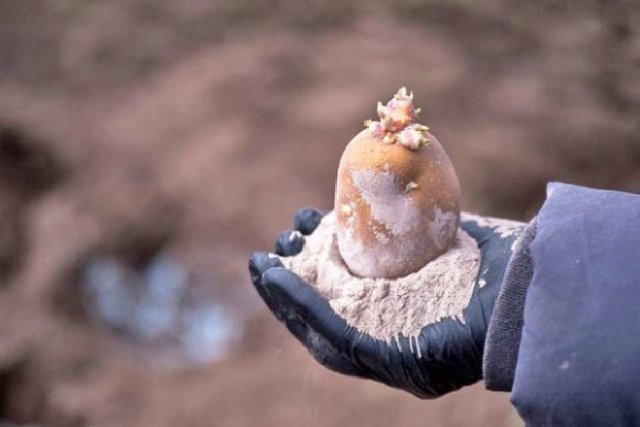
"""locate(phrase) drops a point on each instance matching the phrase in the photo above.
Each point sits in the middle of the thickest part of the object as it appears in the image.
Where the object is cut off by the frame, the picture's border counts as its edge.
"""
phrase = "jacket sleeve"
(578, 358)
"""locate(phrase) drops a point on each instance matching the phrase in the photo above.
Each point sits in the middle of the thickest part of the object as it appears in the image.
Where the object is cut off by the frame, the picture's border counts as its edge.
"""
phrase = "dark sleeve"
(505, 328)
(579, 356)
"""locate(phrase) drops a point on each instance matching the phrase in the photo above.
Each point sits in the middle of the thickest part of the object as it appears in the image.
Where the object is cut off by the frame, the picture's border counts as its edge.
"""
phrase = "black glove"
(451, 351)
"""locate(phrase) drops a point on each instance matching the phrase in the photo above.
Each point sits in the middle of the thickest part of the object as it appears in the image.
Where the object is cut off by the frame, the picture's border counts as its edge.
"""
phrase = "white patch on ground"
(384, 308)
(389, 205)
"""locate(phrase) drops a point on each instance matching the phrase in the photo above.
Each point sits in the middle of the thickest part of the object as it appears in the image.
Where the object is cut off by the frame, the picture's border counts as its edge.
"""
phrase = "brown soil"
(196, 128)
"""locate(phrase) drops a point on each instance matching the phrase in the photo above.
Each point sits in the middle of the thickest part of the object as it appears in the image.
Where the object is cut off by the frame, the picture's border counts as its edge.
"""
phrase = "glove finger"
(259, 262)
(294, 298)
(308, 305)
(289, 243)
(306, 220)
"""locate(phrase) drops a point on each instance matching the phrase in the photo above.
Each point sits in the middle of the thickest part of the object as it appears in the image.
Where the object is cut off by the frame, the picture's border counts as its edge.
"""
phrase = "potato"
(397, 195)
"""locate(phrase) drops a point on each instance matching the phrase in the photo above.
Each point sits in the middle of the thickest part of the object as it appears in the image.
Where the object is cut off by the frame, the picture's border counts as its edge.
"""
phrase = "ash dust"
(384, 308)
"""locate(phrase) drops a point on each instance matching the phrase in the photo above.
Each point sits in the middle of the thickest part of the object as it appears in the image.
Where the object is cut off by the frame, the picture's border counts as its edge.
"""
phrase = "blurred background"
(147, 147)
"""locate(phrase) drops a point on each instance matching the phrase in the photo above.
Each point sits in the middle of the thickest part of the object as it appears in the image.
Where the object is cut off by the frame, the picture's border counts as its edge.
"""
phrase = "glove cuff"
(505, 327)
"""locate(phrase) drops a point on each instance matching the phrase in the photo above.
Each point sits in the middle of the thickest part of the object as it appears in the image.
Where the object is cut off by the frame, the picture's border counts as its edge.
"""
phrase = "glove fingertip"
(306, 220)
(289, 243)
(259, 262)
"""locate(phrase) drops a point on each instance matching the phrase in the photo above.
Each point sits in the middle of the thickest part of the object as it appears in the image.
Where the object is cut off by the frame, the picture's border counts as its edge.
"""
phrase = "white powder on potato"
(399, 213)
(384, 308)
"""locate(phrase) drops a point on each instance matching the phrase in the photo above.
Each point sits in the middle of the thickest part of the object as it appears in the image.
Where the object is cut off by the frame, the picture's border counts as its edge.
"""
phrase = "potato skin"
(387, 227)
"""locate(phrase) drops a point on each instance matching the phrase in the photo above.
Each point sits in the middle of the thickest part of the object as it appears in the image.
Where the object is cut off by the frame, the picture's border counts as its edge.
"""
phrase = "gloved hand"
(450, 351)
